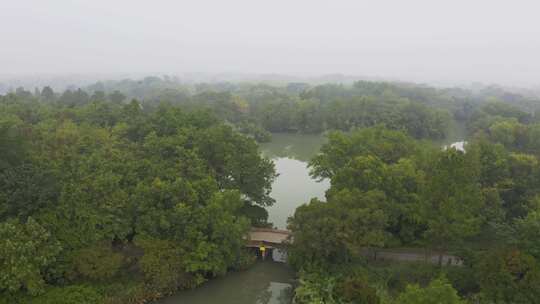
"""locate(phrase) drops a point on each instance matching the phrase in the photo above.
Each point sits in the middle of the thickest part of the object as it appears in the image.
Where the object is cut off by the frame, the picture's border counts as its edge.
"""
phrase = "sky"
(491, 41)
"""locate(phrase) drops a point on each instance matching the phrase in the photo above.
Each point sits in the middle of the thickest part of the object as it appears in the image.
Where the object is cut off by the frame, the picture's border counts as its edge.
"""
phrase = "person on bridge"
(263, 251)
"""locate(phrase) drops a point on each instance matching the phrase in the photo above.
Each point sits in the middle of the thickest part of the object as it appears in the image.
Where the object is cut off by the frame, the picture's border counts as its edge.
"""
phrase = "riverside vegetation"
(126, 191)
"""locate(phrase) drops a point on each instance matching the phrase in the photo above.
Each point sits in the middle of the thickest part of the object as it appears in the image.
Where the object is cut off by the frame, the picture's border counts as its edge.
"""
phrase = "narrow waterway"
(264, 283)
(268, 282)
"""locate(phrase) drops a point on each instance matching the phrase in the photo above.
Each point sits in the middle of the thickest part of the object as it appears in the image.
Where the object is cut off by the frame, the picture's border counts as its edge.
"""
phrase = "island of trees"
(126, 191)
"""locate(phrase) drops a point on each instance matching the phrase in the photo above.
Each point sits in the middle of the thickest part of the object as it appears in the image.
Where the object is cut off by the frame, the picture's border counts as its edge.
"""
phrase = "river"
(268, 282)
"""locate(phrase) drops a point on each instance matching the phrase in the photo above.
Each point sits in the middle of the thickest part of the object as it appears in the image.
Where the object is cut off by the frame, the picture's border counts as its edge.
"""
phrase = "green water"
(264, 283)
(293, 186)
(268, 282)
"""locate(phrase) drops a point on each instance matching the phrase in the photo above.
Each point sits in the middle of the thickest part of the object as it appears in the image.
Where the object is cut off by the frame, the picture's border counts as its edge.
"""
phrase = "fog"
(432, 41)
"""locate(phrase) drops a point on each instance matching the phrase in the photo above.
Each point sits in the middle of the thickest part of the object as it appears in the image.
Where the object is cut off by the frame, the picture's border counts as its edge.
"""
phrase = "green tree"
(386, 145)
(439, 291)
(117, 97)
(163, 265)
(509, 276)
(528, 232)
(26, 249)
(47, 94)
(73, 294)
(98, 262)
(452, 201)
(315, 228)
(364, 222)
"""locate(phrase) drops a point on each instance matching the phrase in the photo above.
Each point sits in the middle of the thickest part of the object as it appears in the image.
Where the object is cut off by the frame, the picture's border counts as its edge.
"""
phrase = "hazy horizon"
(417, 41)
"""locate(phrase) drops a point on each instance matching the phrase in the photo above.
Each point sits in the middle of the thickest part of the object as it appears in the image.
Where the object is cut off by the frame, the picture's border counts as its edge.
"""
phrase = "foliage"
(98, 262)
(356, 289)
(91, 174)
(162, 265)
(452, 200)
(439, 291)
(509, 276)
(153, 184)
(315, 290)
(75, 294)
(26, 249)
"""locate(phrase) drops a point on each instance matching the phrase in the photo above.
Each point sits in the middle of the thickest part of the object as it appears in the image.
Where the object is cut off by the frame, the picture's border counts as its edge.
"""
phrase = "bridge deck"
(267, 236)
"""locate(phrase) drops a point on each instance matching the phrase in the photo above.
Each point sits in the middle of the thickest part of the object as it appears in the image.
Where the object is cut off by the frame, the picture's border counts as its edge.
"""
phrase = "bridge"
(267, 237)
(267, 241)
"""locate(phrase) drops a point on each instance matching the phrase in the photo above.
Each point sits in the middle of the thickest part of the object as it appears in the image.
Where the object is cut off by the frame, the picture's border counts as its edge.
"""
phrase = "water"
(264, 283)
(293, 187)
(268, 282)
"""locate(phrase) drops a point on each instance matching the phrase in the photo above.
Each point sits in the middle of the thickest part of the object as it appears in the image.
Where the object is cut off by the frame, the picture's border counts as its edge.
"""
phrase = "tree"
(386, 145)
(73, 294)
(97, 96)
(26, 249)
(528, 231)
(117, 97)
(452, 200)
(47, 94)
(315, 228)
(25, 190)
(439, 291)
(163, 266)
(12, 142)
(355, 289)
(237, 163)
(98, 262)
(509, 276)
(364, 220)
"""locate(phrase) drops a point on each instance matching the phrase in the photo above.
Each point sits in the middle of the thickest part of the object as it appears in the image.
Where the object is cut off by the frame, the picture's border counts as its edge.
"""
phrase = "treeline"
(257, 109)
(106, 201)
(391, 191)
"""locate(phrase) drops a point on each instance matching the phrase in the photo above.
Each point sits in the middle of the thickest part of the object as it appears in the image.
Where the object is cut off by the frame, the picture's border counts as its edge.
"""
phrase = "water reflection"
(293, 187)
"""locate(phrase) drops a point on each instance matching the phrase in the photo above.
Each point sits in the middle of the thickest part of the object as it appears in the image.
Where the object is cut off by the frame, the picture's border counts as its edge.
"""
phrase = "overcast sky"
(416, 40)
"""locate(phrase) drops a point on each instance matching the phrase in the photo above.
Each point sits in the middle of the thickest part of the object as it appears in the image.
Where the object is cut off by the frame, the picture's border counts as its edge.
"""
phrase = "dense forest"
(106, 202)
(122, 192)
(389, 190)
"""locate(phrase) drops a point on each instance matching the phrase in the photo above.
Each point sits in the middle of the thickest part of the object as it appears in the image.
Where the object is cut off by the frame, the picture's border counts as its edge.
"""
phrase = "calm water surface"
(268, 282)
(293, 187)
(264, 283)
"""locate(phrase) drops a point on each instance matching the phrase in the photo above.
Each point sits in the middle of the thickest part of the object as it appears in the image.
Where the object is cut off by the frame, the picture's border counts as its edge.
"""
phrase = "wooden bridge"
(268, 242)
(267, 237)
